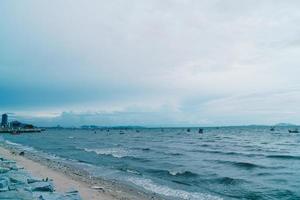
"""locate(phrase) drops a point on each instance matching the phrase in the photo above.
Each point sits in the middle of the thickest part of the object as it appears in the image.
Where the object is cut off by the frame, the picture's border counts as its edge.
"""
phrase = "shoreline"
(66, 177)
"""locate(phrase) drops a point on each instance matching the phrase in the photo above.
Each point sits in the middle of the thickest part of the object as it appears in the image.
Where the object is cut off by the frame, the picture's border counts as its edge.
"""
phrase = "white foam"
(174, 173)
(115, 152)
(132, 171)
(12, 143)
(166, 191)
(20, 146)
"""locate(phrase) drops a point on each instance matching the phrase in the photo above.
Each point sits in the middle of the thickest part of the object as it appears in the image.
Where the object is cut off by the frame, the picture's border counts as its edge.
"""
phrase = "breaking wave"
(115, 152)
(169, 192)
(177, 173)
(19, 146)
(183, 173)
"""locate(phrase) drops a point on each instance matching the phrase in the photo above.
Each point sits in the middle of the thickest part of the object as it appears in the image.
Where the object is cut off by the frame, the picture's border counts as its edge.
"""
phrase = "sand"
(62, 182)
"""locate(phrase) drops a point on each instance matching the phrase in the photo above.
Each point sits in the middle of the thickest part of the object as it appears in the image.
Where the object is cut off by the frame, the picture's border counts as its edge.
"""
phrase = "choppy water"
(221, 163)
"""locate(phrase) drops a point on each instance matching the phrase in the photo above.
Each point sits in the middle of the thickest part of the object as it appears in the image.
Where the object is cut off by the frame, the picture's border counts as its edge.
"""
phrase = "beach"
(66, 179)
(149, 100)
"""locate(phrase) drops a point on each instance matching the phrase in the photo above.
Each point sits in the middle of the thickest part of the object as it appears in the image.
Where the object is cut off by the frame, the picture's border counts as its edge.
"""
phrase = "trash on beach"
(96, 187)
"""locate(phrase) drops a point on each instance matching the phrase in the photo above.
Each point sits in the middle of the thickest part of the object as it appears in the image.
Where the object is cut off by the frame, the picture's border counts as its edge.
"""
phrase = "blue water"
(221, 163)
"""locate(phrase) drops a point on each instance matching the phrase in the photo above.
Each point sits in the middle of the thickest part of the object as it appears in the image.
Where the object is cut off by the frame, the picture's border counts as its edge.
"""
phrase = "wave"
(124, 169)
(247, 165)
(169, 153)
(175, 154)
(19, 146)
(115, 152)
(248, 154)
(226, 153)
(183, 173)
(204, 145)
(179, 173)
(243, 165)
(12, 143)
(41, 153)
(142, 149)
(284, 157)
(132, 171)
(149, 185)
(227, 181)
(264, 174)
(181, 183)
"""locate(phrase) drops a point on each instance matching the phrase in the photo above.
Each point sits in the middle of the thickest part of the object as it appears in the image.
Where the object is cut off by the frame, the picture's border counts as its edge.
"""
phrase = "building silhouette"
(4, 121)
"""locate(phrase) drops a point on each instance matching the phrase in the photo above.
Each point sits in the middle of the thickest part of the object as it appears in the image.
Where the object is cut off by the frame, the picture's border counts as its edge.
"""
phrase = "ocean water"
(222, 163)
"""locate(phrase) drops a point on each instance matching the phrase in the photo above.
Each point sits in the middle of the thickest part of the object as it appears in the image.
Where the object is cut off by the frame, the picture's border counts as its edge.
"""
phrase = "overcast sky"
(156, 62)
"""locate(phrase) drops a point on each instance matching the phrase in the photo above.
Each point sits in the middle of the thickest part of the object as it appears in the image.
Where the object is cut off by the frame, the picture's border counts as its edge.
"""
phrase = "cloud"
(103, 56)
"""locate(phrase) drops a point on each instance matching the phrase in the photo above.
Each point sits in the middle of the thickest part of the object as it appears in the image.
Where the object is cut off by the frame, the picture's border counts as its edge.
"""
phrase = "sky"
(150, 63)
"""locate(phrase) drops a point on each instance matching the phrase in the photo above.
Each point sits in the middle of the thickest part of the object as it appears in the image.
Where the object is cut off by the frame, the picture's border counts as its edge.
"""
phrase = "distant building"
(15, 124)
(4, 122)
(28, 126)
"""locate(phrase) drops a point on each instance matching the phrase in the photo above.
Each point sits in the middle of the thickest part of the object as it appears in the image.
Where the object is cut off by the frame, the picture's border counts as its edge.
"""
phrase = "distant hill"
(285, 124)
(112, 127)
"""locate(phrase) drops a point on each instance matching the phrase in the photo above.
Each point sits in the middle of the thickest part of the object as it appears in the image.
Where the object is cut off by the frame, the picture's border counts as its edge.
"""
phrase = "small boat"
(200, 130)
(272, 129)
(294, 131)
(188, 130)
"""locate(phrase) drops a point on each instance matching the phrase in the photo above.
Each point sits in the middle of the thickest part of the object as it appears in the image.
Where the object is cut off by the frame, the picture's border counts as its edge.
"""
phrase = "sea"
(247, 162)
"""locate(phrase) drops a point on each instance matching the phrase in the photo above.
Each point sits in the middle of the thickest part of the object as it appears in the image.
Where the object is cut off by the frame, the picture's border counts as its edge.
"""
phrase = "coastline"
(66, 177)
